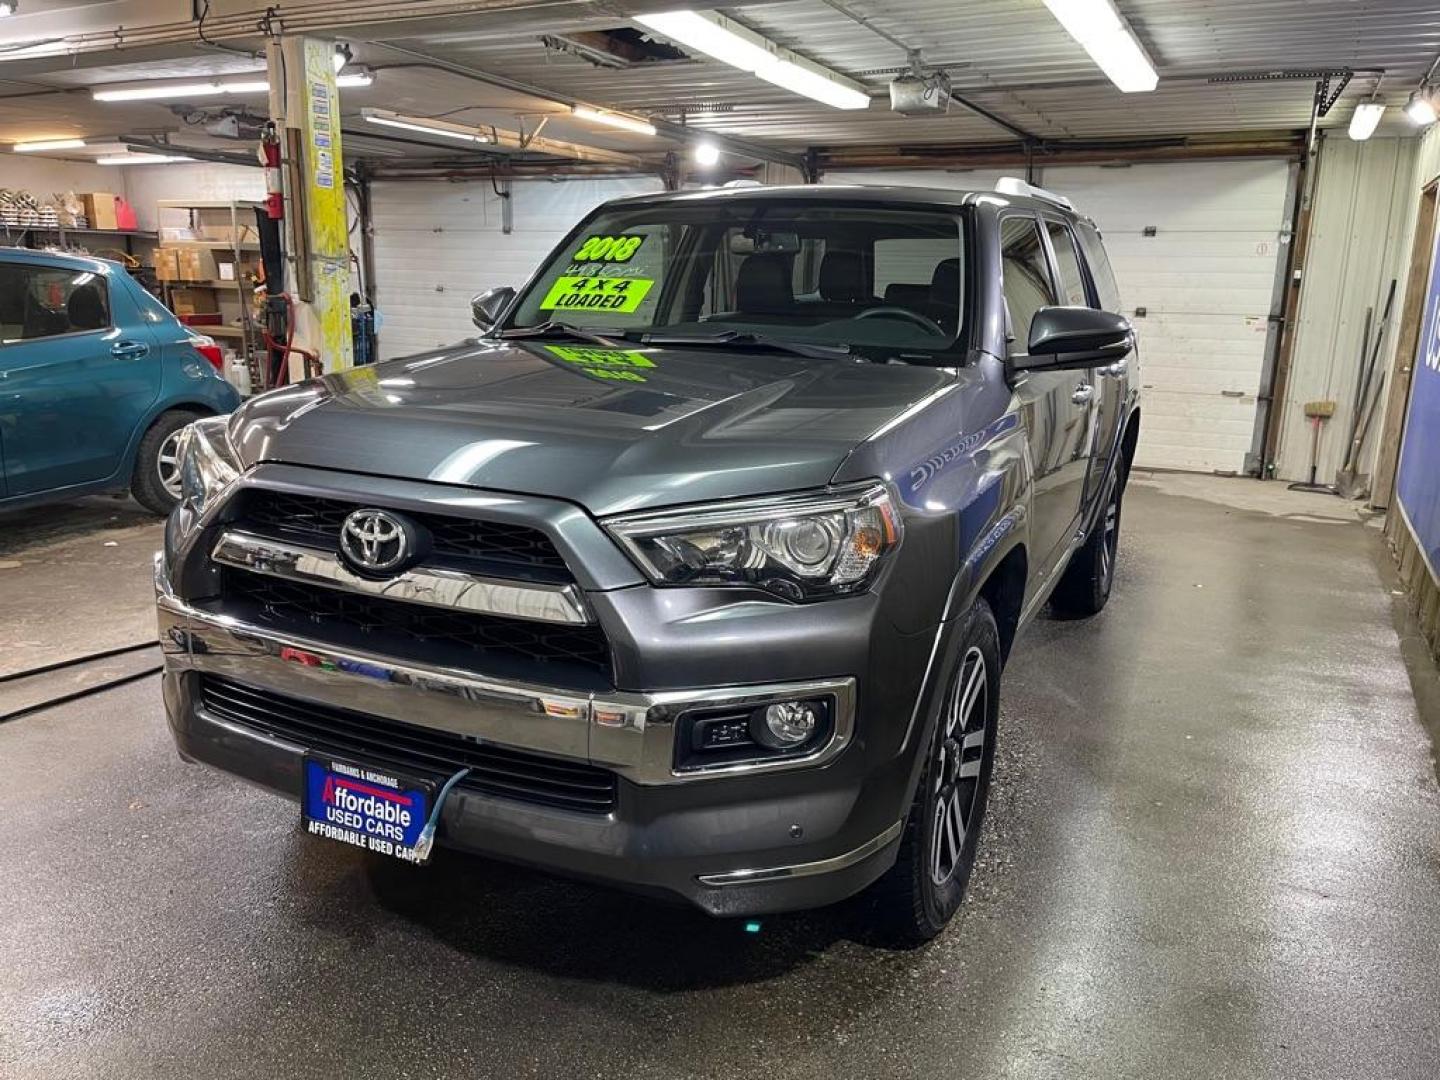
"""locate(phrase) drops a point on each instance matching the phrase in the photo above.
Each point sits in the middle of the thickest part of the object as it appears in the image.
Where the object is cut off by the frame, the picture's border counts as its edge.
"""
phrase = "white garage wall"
(437, 244)
(1205, 279)
(202, 181)
(1361, 225)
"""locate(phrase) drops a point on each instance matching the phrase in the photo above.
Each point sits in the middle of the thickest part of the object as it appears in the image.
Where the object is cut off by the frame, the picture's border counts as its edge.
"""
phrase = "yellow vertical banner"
(325, 218)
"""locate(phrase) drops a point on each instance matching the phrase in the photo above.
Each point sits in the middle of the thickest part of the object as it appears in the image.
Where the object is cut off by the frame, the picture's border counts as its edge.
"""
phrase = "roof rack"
(1013, 185)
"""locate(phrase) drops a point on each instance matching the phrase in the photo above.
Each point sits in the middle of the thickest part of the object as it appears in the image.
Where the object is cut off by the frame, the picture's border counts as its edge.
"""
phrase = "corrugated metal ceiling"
(1009, 56)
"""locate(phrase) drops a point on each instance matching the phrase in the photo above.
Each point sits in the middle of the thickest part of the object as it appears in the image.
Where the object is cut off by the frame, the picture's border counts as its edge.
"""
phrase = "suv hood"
(611, 430)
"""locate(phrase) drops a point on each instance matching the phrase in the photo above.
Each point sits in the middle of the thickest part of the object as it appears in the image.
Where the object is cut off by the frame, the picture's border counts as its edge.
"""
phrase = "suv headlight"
(798, 547)
(208, 465)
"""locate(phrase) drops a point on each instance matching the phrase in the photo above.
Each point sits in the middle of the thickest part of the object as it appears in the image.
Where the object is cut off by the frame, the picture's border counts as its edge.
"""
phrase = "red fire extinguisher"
(270, 159)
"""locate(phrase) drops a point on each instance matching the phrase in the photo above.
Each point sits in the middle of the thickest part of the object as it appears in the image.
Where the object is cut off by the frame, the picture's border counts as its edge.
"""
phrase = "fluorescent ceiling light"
(1421, 108)
(1366, 120)
(8, 7)
(163, 90)
(614, 119)
(1098, 27)
(47, 144)
(140, 159)
(425, 125)
(727, 41)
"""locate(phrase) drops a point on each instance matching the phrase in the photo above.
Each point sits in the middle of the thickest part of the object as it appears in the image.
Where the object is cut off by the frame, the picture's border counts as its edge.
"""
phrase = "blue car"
(97, 379)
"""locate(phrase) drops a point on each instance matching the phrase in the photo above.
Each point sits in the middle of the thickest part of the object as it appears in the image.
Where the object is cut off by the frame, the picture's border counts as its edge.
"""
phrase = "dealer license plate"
(364, 805)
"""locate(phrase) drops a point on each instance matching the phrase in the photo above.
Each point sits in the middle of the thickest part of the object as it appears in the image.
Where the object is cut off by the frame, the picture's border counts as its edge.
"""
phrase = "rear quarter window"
(1099, 263)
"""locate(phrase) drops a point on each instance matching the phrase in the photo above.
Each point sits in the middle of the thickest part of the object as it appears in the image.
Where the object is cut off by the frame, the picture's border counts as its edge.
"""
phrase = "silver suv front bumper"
(630, 733)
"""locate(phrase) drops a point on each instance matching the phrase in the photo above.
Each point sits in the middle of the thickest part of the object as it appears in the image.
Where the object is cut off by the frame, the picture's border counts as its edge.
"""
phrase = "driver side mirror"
(487, 309)
(1075, 337)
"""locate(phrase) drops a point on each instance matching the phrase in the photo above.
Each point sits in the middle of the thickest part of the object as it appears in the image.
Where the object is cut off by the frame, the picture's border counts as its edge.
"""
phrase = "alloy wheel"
(1110, 539)
(167, 463)
(957, 766)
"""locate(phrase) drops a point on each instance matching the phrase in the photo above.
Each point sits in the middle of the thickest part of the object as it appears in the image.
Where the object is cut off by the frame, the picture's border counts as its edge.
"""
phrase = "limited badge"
(596, 294)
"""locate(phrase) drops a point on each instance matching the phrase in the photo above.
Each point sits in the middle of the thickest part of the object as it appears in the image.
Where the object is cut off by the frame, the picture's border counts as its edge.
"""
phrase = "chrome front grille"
(493, 548)
(547, 654)
(494, 771)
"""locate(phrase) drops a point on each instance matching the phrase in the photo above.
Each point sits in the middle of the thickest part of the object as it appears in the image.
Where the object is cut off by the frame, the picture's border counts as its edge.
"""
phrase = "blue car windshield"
(819, 274)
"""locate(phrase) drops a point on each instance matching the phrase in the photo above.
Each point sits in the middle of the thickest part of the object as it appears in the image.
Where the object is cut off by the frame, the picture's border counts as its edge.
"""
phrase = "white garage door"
(438, 244)
(1205, 280)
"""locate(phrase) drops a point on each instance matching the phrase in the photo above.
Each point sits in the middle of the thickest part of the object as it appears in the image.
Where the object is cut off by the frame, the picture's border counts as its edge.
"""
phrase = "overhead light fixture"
(174, 91)
(1421, 107)
(47, 144)
(425, 125)
(1366, 119)
(140, 159)
(9, 7)
(613, 119)
(342, 56)
(727, 41)
(707, 154)
(1106, 36)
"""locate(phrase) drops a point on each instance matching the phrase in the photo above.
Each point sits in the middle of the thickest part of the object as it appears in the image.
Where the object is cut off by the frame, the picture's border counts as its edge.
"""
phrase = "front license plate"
(363, 805)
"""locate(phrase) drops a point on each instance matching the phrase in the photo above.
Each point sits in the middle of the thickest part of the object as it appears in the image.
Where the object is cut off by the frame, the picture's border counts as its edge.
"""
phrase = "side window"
(44, 301)
(1025, 274)
(1100, 271)
(1067, 266)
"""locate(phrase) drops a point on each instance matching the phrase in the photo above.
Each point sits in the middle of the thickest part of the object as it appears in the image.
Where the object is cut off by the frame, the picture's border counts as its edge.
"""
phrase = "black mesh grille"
(496, 546)
(497, 771)
(545, 653)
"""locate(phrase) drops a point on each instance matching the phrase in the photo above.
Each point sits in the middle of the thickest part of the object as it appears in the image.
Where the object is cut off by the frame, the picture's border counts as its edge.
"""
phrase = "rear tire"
(155, 482)
(918, 896)
(1084, 588)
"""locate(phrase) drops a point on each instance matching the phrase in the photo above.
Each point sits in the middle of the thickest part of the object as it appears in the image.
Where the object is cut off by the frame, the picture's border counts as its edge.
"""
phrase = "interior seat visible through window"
(762, 286)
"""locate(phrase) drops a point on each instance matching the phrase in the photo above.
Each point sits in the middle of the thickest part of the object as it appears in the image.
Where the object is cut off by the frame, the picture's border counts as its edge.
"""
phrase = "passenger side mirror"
(487, 309)
(1075, 337)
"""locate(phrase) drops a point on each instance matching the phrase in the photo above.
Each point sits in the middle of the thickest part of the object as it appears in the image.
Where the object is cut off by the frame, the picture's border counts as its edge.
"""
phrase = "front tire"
(922, 891)
(155, 483)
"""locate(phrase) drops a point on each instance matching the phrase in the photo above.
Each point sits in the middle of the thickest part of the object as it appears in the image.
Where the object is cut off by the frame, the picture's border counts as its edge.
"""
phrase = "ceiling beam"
(668, 128)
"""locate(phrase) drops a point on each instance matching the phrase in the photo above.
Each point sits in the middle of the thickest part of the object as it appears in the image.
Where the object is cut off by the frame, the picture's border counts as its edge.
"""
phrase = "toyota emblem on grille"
(376, 542)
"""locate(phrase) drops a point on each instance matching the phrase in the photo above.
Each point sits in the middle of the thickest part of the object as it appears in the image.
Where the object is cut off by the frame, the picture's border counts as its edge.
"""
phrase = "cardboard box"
(242, 233)
(100, 209)
(193, 301)
(167, 264)
(197, 264)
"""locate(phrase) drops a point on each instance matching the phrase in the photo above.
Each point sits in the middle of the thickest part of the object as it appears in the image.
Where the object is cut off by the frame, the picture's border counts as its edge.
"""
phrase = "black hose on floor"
(103, 654)
(76, 695)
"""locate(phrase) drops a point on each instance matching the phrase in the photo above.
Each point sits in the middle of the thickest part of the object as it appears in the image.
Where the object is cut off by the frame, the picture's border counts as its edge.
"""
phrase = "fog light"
(788, 723)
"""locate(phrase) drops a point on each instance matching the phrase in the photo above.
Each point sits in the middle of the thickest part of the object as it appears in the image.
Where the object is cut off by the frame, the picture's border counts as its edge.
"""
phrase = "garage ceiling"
(1009, 57)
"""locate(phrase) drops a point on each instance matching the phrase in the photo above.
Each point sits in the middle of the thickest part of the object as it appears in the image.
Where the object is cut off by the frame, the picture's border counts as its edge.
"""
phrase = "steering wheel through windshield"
(892, 312)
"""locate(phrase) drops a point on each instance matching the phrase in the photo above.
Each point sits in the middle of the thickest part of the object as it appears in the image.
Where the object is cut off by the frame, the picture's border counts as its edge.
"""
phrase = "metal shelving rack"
(247, 339)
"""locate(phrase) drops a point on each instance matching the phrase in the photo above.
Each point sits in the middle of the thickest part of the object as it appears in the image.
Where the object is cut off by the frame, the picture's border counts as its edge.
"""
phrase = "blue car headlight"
(797, 547)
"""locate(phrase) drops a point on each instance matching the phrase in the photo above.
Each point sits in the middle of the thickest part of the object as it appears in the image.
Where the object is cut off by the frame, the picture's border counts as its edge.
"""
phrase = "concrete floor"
(1213, 851)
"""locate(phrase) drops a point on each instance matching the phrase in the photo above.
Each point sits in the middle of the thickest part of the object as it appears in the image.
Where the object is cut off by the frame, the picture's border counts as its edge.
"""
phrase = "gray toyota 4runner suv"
(696, 572)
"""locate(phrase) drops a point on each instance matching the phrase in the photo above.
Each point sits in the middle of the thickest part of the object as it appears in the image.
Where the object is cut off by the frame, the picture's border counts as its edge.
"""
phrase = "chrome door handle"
(1083, 393)
(129, 350)
(1116, 370)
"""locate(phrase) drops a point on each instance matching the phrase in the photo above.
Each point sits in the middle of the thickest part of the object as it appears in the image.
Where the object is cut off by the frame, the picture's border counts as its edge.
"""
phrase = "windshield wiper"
(555, 329)
(744, 339)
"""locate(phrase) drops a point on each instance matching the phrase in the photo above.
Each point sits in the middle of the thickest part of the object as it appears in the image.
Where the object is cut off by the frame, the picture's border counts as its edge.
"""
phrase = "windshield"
(867, 279)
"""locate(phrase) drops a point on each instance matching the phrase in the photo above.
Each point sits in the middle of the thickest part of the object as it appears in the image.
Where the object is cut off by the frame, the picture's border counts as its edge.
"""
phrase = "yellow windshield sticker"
(596, 294)
(615, 249)
(619, 364)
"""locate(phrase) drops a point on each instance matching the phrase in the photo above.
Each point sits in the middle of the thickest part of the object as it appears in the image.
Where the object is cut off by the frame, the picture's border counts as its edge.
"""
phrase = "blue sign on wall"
(1418, 483)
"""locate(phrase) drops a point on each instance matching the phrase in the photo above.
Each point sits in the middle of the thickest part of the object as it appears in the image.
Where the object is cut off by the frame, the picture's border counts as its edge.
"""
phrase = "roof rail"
(1013, 185)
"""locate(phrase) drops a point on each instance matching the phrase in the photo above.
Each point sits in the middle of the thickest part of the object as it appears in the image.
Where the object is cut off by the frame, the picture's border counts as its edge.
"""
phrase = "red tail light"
(207, 348)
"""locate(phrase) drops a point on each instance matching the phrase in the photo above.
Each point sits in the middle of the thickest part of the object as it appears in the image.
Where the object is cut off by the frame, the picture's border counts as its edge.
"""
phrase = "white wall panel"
(202, 181)
(1205, 280)
(438, 244)
(1361, 225)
